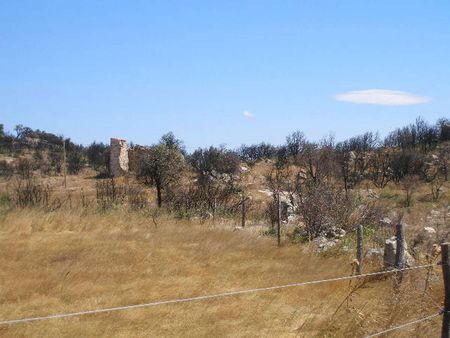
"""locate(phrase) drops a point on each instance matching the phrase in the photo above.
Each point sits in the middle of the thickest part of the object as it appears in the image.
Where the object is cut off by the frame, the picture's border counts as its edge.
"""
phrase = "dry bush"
(324, 206)
(110, 193)
(6, 169)
(24, 168)
(409, 185)
(30, 193)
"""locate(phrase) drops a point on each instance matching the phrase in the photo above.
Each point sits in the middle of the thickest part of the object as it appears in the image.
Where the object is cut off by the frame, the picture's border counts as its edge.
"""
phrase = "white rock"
(390, 250)
(386, 221)
(429, 230)
(244, 169)
(374, 254)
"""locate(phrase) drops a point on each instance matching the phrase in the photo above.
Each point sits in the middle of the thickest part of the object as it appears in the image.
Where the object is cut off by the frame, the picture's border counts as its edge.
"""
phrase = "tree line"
(317, 177)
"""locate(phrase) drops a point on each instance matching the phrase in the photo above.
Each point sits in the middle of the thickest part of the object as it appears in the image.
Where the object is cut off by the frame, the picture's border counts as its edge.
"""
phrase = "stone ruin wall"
(118, 162)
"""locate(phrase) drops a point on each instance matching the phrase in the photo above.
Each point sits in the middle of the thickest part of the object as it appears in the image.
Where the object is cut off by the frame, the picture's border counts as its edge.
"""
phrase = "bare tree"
(379, 170)
(295, 144)
(409, 185)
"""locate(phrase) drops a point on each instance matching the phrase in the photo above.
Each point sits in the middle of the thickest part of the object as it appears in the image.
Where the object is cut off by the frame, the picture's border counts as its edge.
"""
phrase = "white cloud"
(382, 97)
(248, 114)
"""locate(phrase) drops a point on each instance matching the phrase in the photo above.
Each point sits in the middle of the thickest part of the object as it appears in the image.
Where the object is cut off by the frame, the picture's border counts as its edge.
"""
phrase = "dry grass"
(73, 260)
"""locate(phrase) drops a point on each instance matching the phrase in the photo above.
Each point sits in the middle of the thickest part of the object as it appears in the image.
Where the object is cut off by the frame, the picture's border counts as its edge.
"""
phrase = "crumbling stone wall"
(118, 162)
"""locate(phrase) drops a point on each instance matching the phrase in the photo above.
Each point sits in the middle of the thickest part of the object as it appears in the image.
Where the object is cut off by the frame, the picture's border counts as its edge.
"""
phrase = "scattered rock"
(390, 250)
(435, 213)
(429, 231)
(372, 194)
(374, 254)
(386, 221)
(336, 232)
(424, 239)
(324, 244)
(243, 169)
(329, 238)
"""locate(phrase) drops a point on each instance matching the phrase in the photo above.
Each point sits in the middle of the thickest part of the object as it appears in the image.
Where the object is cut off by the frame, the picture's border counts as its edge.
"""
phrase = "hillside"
(180, 225)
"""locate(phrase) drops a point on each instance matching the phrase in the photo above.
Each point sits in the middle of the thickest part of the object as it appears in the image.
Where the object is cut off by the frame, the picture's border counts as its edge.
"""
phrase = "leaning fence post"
(278, 219)
(359, 248)
(445, 254)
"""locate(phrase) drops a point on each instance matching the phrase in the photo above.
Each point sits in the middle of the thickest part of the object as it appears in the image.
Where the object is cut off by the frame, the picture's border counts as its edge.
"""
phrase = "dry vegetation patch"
(68, 261)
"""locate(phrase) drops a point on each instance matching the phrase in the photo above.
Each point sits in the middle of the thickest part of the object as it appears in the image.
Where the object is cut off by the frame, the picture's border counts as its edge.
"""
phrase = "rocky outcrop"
(329, 238)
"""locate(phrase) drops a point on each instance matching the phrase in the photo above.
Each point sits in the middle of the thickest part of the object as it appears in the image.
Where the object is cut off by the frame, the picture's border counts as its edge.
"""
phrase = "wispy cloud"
(382, 97)
(248, 114)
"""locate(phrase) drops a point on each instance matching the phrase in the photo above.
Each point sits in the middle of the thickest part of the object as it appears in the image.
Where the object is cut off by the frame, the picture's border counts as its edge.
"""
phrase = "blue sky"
(222, 72)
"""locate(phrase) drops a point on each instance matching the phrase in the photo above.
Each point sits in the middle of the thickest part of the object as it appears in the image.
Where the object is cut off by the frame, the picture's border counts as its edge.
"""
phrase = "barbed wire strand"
(404, 325)
(205, 297)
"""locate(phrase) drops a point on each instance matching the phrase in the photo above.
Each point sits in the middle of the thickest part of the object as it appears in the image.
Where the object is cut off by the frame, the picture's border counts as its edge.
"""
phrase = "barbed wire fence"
(246, 291)
(398, 270)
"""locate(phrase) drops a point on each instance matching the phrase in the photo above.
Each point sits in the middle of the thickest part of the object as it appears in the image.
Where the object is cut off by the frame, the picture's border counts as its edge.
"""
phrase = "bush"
(29, 193)
(6, 169)
(110, 193)
(98, 157)
(24, 168)
(75, 162)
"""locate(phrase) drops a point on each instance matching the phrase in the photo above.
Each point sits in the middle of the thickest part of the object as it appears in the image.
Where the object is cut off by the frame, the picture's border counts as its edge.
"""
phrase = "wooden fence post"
(359, 248)
(445, 254)
(243, 212)
(278, 219)
(400, 251)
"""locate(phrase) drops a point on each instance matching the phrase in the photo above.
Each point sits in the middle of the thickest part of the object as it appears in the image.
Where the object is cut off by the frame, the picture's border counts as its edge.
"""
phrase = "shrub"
(110, 193)
(29, 193)
(6, 169)
(24, 168)
(75, 162)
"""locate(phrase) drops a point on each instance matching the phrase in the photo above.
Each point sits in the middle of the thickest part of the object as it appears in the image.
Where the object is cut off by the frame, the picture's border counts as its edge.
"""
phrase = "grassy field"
(72, 260)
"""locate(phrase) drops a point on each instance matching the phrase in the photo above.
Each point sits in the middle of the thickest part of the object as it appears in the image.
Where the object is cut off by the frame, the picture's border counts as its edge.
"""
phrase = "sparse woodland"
(176, 226)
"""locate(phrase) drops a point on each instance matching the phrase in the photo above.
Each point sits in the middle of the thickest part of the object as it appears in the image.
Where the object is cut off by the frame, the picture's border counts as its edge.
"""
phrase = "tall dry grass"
(78, 259)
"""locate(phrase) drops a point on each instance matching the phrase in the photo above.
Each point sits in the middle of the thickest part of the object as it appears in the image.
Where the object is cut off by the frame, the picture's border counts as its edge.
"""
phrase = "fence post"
(359, 248)
(243, 212)
(400, 250)
(445, 254)
(278, 219)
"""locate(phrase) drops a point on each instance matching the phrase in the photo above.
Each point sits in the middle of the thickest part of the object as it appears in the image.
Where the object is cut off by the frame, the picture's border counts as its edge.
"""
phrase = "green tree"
(98, 156)
(161, 166)
(75, 161)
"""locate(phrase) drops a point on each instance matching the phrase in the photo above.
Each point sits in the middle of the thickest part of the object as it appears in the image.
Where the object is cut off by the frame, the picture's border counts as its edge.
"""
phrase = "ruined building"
(118, 162)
